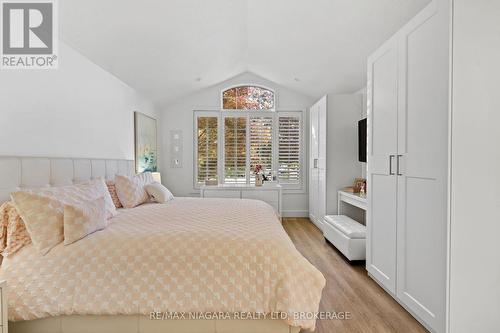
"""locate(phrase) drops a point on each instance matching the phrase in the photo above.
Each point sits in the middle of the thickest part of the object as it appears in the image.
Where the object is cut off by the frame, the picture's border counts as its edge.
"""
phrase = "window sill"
(286, 189)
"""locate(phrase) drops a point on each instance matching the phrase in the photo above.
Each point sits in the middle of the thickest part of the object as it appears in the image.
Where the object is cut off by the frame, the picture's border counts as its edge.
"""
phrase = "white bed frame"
(33, 172)
(142, 324)
(18, 173)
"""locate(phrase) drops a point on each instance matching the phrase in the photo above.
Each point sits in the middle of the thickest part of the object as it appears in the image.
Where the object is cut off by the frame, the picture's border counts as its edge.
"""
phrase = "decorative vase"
(258, 180)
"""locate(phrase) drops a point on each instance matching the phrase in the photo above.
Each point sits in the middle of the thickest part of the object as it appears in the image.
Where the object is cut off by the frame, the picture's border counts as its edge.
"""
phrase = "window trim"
(221, 114)
(221, 98)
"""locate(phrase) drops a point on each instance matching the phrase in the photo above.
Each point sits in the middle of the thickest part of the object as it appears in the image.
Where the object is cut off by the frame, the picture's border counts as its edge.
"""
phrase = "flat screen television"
(362, 140)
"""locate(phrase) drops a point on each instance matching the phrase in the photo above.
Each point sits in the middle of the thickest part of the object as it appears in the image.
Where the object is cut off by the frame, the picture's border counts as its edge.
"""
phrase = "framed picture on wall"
(145, 143)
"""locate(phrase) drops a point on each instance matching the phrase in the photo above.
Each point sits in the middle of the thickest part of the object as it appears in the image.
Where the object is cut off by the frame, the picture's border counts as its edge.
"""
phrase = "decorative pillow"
(131, 190)
(158, 192)
(13, 234)
(83, 219)
(73, 194)
(30, 205)
(112, 192)
(43, 218)
(102, 188)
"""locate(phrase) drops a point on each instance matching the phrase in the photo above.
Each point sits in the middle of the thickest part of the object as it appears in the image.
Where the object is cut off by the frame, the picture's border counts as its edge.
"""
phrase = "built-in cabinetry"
(333, 152)
(407, 171)
(270, 194)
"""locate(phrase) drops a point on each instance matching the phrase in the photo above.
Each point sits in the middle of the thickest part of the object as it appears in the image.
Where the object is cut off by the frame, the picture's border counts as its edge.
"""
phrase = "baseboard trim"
(295, 213)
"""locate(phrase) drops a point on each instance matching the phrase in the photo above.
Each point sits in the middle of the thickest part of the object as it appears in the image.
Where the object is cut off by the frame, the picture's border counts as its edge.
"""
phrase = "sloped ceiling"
(172, 48)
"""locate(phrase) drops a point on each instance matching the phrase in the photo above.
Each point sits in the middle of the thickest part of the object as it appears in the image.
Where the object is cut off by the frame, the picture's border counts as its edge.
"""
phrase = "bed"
(191, 265)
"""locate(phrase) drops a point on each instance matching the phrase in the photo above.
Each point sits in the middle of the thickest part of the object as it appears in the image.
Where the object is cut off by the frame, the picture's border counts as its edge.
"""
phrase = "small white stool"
(347, 235)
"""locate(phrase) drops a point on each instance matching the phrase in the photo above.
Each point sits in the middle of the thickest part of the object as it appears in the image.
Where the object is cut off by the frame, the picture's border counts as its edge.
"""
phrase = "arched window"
(248, 98)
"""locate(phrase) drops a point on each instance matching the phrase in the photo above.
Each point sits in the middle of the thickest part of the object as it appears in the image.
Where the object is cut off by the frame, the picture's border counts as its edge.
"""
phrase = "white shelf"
(354, 199)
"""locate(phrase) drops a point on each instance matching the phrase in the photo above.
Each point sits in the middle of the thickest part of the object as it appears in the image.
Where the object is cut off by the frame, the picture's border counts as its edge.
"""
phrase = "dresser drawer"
(270, 195)
(222, 194)
(267, 196)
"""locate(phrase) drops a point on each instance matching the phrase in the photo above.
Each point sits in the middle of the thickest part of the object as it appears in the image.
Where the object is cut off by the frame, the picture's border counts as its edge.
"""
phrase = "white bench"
(347, 235)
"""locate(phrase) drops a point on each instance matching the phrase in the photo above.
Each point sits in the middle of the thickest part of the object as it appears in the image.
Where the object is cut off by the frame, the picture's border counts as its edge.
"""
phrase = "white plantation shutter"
(248, 138)
(289, 149)
(235, 150)
(261, 144)
(207, 148)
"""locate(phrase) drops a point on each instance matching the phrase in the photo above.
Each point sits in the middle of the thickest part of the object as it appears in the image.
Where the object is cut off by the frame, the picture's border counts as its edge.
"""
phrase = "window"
(261, 144)
(230, 143)
(207, 148)
(273, 140)
(258, 147)
(289, 143)
(235, 150)
(248, 98)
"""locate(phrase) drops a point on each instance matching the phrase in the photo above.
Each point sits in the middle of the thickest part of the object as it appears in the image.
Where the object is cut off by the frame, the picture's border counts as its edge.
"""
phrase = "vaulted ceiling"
(171, 48)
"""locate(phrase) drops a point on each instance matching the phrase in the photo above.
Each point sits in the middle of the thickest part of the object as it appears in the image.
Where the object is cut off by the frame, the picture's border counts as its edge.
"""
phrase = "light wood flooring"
(348, 287)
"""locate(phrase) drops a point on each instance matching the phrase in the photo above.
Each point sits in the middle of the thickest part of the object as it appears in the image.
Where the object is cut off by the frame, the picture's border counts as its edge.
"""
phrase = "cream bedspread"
(190, 255)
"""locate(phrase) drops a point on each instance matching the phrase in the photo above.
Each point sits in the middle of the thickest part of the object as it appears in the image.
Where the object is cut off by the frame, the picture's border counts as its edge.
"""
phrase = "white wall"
(342, 150)
(78, 110)
(475, 192)
(179, 116)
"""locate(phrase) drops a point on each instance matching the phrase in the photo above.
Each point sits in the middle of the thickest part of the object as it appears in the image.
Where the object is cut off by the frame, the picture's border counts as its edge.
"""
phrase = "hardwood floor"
(348, 287)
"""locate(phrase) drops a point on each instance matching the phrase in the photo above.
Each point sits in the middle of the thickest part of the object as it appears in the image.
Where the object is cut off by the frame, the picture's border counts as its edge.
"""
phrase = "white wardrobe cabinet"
(408, 165)
(314, 170)
(317, 163)
(382, 179)
(333, 152)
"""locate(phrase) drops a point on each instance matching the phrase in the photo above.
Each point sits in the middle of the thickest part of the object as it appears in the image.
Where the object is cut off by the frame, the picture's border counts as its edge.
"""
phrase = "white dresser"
(268, 193)
(3, 307)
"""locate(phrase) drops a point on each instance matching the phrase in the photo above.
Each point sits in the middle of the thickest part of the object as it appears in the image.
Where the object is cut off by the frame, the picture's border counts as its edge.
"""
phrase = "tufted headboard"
(31, 172)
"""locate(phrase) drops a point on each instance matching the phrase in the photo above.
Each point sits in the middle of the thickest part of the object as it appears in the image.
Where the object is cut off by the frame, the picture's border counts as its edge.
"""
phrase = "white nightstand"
(3, 307)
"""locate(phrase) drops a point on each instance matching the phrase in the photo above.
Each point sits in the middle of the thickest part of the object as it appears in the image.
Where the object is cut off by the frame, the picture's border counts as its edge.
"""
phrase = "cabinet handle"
(315, 163)
(390, 164)
(397, 162)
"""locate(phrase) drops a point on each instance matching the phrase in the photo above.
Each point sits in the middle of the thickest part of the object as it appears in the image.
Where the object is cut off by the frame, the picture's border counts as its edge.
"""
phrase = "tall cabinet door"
(422, 171)
(382, 150)
(313, 163)
(322, 151)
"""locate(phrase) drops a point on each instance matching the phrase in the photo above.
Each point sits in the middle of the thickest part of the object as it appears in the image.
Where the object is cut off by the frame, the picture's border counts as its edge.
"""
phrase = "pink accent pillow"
(131, 191)
(83, 219)
(13, 234)
(112, 191)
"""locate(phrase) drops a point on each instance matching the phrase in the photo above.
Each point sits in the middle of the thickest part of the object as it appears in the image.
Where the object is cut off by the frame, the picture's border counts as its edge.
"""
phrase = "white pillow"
(158, 192)
(100, 188)
(131, 190)
(84, 218)
(42, 209)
